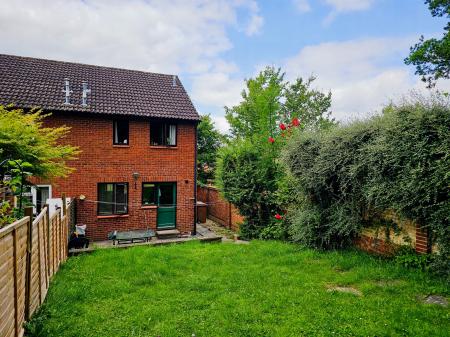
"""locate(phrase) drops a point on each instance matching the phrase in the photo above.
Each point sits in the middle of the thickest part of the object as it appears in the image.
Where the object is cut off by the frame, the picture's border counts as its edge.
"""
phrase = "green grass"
(260, 289)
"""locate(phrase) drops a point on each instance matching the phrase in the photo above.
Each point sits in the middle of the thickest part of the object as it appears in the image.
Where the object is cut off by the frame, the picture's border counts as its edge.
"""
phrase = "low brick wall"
(381, 240)
(218, 209)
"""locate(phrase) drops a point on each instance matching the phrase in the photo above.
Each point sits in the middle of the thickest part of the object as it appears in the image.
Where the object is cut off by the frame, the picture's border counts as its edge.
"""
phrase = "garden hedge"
(349, 175)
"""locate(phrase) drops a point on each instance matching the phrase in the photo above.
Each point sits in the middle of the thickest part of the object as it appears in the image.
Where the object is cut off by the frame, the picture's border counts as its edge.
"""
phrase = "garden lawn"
(260, 289)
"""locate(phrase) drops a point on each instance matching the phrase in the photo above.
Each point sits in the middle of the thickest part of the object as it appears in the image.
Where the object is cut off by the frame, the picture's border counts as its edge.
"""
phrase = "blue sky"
(354, 47)
(287, 29)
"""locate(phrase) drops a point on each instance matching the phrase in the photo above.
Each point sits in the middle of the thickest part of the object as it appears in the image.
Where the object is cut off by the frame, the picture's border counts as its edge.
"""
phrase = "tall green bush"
(330, 170)
(248, 179)
(347, 176)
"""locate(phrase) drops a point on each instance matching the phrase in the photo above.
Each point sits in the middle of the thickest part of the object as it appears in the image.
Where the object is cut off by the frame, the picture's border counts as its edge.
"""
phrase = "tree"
(259, 112)
(270, 100)
(23, 137)
(249, 171)
(310, 106)
(432, 57)
(209, 140)
(27, 148)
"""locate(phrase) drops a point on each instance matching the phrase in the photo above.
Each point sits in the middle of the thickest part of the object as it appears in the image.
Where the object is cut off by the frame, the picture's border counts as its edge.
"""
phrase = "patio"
(204, 234)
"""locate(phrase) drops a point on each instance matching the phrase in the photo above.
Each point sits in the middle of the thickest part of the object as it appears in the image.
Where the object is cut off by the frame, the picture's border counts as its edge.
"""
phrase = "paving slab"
(436, 300)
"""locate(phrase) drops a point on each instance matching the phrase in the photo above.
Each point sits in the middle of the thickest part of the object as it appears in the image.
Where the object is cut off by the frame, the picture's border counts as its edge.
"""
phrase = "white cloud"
(342, 6)
(302, 6)
(350, 5)
(216, 89)
(358, 73)
(354, 59)
(221, 123)
(254, 27)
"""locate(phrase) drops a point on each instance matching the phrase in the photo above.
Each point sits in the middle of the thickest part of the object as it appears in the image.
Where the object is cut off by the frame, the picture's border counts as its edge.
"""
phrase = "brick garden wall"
(218, 209)
(101, 161)
(386, 241)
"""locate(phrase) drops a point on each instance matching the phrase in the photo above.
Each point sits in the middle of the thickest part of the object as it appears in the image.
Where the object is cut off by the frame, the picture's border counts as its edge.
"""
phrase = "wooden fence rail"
(31, 251)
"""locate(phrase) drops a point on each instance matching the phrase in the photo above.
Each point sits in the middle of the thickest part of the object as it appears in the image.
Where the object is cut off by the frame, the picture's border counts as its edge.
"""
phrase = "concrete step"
(168, 234)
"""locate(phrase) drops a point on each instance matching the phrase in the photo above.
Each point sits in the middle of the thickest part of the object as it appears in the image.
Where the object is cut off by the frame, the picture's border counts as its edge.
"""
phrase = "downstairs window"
(112, 198)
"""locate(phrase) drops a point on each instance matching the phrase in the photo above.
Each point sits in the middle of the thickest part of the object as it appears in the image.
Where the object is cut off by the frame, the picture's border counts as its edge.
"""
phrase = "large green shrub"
(330, 171)
(248, 179)
(348, 175)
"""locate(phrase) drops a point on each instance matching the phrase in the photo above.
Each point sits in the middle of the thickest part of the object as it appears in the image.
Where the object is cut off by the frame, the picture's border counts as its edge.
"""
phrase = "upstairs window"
(112, 198)
(163, 134)
(120, 134)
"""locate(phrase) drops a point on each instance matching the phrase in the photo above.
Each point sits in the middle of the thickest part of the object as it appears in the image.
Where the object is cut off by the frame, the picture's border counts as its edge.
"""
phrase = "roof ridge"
(87, 64)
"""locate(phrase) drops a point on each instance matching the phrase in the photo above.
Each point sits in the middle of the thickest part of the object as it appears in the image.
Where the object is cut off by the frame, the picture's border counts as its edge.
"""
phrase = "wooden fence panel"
(13, 244)
(31, 251)
(7, 286)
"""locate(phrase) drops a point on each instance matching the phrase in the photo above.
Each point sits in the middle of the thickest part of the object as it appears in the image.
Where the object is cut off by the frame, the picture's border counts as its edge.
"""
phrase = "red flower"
(278, 216)
(271, 140)
(282, 126)
(295, 122)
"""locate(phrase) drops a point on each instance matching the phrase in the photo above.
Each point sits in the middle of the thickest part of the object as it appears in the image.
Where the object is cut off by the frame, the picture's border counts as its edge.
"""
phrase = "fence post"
(54, 241)
(58, 238)
(39, 260)
(16, 286)
(47, 220)
(29, 213)
(64, 204)
(63, 228)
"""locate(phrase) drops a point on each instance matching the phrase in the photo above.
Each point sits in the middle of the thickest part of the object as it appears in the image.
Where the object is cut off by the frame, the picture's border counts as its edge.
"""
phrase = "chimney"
(174, 80)
(85, 92)
(67, 91)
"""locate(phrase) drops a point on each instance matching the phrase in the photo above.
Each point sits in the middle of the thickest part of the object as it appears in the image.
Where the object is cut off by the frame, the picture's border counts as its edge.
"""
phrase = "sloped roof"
(29, 82)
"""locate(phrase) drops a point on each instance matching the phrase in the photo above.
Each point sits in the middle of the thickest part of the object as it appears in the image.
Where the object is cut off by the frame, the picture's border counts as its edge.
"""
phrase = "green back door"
(167, 205)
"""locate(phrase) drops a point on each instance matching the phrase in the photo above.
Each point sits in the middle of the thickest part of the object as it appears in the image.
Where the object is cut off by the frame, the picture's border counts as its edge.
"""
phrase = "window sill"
(119, 145)
(163, 147)
(113, 216)
(149, 207)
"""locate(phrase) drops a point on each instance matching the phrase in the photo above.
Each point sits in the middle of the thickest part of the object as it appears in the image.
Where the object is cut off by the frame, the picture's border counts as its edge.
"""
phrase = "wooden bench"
(131, 236)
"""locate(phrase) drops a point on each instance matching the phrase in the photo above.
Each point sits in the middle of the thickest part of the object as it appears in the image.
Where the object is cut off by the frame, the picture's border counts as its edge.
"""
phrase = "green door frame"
(168, 211)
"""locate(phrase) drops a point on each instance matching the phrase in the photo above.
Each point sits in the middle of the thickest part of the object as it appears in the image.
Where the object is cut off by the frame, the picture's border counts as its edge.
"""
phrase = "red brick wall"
(101, 161)
(374, 245)
(380, 245)
(421, 240)
(218, 209)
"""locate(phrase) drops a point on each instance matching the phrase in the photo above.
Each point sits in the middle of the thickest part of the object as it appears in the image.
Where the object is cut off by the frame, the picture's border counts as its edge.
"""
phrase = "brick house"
(137, 132)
